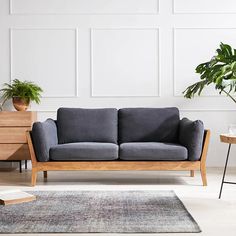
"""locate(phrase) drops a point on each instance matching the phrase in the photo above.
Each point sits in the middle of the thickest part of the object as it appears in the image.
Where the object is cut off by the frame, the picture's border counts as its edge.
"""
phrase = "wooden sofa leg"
(45, 174)
(203, 158)
(191, 173)
(203, 174)
(33, 177)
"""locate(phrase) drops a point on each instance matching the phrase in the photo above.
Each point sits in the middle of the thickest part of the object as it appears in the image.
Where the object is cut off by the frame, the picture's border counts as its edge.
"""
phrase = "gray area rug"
(98, 212)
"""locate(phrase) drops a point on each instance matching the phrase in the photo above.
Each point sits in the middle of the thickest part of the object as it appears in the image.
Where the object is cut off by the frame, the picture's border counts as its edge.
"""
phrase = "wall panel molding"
(181, 110)
(92, 93)
(203, 7)
(175, 46)
(84, 7)
(75, 81)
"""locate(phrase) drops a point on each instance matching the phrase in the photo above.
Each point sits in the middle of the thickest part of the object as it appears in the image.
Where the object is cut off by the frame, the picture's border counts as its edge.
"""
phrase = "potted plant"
(220, 71)
(21, 93)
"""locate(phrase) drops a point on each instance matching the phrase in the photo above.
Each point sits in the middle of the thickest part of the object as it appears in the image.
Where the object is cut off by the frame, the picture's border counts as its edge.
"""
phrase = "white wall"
(119, 53)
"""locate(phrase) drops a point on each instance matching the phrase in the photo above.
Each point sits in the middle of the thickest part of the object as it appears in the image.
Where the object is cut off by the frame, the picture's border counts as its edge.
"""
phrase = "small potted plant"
(220, 71)
(21, 93)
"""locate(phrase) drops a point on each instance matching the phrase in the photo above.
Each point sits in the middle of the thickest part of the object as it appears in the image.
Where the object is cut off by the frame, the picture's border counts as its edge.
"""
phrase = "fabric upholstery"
(44, 136)
(152, 151)
(148, 125)
(84, 151)
(191, 134)
(87, 125)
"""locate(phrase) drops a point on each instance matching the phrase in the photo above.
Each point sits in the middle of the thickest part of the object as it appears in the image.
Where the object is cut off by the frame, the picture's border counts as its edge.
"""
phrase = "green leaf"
(220, 70)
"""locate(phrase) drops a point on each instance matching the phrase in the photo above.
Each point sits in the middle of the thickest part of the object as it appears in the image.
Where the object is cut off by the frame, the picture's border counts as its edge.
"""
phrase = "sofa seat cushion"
(153, 151)
(84, 151)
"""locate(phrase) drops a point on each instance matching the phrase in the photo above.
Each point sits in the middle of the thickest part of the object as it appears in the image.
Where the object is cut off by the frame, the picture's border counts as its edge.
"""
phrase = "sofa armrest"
(44, 136)
(191, 135)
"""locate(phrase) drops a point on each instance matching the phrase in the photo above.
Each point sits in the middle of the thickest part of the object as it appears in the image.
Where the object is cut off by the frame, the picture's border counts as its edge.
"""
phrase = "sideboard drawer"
(17, 118)
(14, 152)
(13, 134)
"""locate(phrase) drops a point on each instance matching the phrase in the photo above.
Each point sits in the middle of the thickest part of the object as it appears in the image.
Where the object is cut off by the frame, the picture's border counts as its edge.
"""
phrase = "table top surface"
(228, 138)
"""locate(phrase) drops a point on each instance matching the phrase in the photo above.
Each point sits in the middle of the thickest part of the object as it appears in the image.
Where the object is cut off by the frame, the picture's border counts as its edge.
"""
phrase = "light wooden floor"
(215, 217)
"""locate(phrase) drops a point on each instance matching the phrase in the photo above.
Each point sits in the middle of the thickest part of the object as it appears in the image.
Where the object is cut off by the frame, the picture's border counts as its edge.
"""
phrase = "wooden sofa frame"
(120, 165)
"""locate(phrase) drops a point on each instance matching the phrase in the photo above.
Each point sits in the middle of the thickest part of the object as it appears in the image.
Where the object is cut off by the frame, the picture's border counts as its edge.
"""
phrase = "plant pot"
(20, 104)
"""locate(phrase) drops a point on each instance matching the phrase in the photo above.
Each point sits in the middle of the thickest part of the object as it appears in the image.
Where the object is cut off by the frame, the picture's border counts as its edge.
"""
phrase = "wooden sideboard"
(13, 127)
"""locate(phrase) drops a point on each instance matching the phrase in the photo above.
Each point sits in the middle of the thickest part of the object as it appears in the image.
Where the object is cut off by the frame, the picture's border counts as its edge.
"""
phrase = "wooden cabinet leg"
(45, 174)
(20, 167)
(33, 178)
(203, 174)
(191, 173)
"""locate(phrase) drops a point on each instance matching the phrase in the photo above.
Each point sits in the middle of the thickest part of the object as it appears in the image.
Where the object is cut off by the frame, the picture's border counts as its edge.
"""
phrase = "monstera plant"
(219, 71)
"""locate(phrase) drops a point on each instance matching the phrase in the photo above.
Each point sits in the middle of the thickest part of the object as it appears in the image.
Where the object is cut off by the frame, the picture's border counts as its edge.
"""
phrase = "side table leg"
(226, 163)
(26, 164)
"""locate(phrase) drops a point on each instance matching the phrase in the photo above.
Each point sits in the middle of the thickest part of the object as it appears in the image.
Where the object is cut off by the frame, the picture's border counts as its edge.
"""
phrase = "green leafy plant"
(220, 71)
(25, 90)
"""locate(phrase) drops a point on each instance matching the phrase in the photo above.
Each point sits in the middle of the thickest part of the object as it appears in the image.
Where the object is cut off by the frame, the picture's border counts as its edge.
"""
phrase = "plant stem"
(229, 95)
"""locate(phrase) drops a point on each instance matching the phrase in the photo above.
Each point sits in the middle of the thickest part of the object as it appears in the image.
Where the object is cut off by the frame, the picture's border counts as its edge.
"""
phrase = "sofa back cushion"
(87, 125)
(148, 125)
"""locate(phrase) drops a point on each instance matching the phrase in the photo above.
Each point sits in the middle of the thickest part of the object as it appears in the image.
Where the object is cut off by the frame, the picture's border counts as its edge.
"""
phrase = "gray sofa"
(141, 137)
